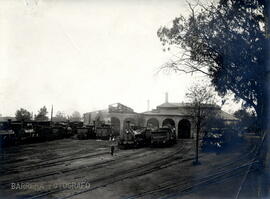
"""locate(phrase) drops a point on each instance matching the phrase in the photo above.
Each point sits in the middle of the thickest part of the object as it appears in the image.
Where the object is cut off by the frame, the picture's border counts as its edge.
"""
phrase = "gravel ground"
(85, 169)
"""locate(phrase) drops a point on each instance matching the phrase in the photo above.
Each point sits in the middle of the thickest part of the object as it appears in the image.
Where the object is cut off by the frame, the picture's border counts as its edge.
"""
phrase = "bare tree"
(202, 99)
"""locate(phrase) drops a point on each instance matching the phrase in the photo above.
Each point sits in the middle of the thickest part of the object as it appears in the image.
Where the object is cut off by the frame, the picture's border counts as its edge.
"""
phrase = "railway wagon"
(103, 132)
(7, 135)
(33, 131)
(27, 133)
(57, 132)
(61, 130)
(74, 126)
(44, 133)
(86, 132)
(24, 131)
(67, 129)
(163, 136)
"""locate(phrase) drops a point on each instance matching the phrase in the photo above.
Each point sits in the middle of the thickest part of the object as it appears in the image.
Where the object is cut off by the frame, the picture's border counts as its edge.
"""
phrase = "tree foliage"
(23, 115)
(60, 117)
(227, 42)
(75, 116)
(42, 114)
(246, 119)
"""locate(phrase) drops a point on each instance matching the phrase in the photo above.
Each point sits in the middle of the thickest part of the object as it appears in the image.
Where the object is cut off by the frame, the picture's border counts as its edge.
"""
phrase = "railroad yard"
(72, 168)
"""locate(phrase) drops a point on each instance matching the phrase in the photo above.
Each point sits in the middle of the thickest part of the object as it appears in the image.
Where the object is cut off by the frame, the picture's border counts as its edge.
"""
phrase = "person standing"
(112, 145)
(112, 150)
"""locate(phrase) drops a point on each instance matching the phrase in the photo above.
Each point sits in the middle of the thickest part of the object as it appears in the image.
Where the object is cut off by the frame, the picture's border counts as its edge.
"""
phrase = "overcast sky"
(83, 55)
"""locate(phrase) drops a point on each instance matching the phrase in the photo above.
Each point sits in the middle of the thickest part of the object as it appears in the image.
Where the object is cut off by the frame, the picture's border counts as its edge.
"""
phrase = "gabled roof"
(184, 105)
(171, 112)
(183, 109)
(170, 105)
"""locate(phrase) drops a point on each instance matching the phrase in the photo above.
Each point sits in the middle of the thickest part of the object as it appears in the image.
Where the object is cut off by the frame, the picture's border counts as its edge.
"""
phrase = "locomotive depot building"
(177, 115)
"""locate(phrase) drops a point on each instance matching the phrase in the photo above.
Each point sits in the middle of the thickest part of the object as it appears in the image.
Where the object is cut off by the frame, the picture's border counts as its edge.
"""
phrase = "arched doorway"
(130, 121)
(184, 129)
(152, 123)
(115, 123)
(168, 122)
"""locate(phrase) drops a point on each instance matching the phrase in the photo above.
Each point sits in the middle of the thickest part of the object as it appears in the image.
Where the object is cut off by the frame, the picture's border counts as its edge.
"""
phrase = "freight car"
(86, 132)
(103, 132)
(163, 136)
(7, 135)
(27, 133)
(61, 130)
(33, 131)
(67, 129)
(44, 130)
(74, 126)
(24, 131)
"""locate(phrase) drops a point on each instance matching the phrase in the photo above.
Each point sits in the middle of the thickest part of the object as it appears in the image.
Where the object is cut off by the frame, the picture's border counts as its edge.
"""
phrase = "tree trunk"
(198, 125)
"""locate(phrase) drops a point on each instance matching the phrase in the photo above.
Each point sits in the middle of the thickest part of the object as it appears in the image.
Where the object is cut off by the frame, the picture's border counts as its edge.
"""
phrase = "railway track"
(43, 164)
(121, 175)
(179, 188)
(261, 144)
(153, 166)
(20, 161)
(217, 177)
(8, 155)
(237, 167)
(95, 166)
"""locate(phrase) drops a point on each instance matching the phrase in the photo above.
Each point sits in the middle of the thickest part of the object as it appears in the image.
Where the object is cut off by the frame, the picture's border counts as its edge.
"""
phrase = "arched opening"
(152, 123)
(115, 124)
(130, 122)
(184, 129)
(169, 123)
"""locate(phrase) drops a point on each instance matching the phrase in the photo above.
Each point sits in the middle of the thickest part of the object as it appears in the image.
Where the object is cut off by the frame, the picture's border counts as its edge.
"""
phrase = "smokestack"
(52, 113)
(166, 97)
(148, 105)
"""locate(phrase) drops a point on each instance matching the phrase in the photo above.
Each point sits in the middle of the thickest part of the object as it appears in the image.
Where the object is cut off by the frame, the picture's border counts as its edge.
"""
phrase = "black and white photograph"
(134, 99)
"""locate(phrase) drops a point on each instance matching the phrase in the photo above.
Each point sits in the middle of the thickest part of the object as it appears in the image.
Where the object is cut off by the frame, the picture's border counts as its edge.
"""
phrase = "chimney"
(148, 105)
(52, 113)
(166, 97)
